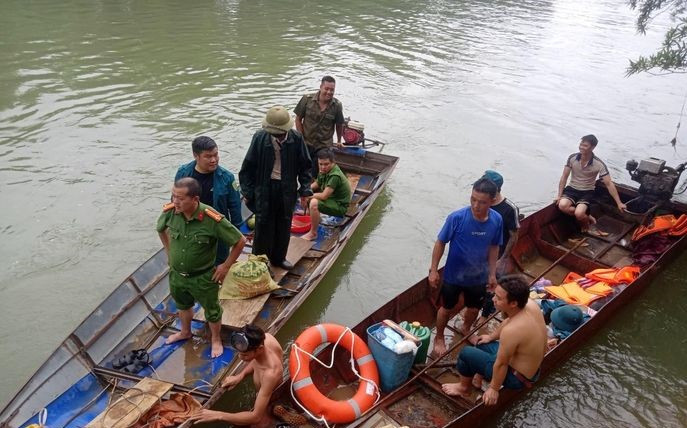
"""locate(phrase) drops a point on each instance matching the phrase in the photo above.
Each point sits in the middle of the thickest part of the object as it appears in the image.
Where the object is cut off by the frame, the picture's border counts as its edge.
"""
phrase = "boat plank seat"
(134, 403)
(353, 180)
(237, 313)
(297, 249)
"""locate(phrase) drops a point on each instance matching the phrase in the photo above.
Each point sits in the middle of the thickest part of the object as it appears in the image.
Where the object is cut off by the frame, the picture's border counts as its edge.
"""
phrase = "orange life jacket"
(572, 293)
(572, 276)
(614, 276)
(600, 289)
(680, 226)
(667, 224)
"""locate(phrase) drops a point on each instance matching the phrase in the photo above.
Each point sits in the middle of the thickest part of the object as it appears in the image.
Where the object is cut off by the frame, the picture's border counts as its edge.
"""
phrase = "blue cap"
(495, 177)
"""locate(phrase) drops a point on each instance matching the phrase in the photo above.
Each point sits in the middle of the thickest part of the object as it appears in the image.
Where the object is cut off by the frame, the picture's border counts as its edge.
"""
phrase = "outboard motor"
(353, 134)
(657, 183)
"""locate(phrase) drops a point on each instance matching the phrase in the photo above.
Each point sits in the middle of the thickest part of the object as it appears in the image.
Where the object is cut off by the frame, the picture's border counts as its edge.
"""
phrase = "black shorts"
(578, 196)
(473, 295)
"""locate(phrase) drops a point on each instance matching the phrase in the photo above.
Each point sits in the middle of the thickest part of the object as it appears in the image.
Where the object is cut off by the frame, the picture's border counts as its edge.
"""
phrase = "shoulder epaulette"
(214, 214)
(167, 207)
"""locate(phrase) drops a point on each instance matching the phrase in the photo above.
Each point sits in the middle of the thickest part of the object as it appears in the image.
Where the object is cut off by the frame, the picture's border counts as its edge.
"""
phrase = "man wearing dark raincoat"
(275, 172)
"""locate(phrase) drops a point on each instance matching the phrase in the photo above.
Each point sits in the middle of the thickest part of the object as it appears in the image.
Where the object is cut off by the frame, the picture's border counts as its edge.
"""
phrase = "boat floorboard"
(133, 403)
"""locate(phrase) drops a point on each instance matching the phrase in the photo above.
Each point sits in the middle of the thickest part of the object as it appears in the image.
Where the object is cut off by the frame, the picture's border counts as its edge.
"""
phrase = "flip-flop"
(137, 355)
(135, 367)
(141, 360)
(124, 360)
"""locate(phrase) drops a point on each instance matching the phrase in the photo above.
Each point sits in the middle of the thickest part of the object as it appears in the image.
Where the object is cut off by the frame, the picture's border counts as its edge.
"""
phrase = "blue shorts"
(480, 359)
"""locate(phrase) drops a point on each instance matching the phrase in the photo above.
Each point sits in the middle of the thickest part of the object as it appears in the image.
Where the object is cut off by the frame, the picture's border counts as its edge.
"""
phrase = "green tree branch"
(672, 56)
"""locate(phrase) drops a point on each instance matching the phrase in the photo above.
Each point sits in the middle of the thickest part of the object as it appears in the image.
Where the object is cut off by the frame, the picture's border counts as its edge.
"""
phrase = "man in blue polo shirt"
(474, 235)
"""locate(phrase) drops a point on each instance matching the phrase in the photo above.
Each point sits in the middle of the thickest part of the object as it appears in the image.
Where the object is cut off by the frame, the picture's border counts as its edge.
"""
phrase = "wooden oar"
(464, 339)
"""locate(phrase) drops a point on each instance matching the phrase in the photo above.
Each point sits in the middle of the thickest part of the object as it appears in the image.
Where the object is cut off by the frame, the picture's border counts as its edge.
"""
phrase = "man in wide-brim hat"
(275, 172)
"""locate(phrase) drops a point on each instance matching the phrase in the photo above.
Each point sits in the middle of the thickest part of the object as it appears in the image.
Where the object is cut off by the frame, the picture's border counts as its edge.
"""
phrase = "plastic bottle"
(405, 346)
(388, 343)
(391, 334)
(422, 333)
(379, 335)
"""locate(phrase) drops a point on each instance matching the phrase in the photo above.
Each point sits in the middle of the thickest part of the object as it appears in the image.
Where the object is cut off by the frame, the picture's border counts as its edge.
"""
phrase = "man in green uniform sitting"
(333, 192)
(189, 231)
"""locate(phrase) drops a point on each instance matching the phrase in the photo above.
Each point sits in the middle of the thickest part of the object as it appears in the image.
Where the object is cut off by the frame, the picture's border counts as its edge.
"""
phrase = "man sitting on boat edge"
(263, 355)
(333, 192)
(189, 231)
(512, 354)
(583, 168)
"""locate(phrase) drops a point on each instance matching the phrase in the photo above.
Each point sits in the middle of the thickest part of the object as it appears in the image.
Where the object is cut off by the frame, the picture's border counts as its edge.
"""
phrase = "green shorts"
(201, 289)
(331, 207)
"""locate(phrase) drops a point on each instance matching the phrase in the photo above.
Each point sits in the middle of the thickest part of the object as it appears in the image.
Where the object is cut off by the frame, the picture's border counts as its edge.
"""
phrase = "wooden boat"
(77, 381)
(550, 245)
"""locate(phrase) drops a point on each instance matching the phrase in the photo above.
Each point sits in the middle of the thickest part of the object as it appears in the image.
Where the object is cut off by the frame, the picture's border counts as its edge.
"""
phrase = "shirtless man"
(263, 355)
(511, 355)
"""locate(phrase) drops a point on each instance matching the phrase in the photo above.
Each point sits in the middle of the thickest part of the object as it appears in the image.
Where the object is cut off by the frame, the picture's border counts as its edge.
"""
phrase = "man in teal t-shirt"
(332, 192)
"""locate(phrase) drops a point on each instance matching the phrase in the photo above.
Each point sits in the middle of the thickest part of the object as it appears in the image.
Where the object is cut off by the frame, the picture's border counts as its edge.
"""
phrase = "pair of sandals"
(133, 362)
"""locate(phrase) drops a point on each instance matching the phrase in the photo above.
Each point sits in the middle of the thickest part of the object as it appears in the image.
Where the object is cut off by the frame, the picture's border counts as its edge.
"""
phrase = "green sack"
(248, 278)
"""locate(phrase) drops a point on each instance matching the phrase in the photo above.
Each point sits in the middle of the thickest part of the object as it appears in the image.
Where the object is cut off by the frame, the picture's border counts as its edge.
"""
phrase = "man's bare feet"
(439, 347)
(217, 349)
(177, 337)
(309, 236)
(456, 389)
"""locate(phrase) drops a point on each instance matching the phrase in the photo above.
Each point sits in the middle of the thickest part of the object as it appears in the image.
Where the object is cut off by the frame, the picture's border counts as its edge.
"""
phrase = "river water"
(99, 101)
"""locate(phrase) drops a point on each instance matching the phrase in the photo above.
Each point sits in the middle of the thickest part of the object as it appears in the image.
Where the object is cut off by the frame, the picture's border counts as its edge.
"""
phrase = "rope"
(328, 366)
(136, 406)
(207, 384)
(673, 142)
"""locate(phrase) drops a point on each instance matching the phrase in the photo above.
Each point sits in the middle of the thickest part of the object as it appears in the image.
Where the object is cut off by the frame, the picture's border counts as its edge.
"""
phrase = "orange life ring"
(306, 391)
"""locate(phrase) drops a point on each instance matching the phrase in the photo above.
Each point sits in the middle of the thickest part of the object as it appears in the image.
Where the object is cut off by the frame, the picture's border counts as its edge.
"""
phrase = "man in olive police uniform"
(318, 115)
(189, 231)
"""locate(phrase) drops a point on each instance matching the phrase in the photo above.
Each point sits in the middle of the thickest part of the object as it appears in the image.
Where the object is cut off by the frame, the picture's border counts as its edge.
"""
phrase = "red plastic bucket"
(300, 223)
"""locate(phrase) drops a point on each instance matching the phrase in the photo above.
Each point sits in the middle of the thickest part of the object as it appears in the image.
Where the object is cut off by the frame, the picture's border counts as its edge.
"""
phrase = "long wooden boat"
(77, 381)
(549, 246)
